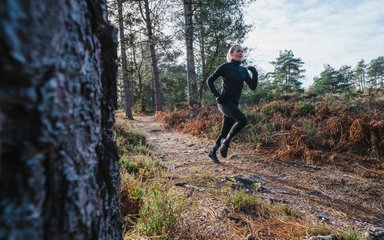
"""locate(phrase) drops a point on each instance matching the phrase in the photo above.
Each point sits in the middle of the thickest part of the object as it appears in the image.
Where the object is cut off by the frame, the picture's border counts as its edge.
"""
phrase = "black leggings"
(234, 120)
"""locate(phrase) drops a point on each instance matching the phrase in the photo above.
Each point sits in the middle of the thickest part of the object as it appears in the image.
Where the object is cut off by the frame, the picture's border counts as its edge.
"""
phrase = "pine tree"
(332, 80)
(360, 74)
(288, 72)
(375, 72)
(221, 24)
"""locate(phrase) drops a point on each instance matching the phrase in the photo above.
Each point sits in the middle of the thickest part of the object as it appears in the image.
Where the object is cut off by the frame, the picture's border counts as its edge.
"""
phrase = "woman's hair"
(230, 51)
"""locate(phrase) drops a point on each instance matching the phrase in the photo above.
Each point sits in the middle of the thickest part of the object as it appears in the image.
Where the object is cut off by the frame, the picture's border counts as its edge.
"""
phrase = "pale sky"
(335, 32)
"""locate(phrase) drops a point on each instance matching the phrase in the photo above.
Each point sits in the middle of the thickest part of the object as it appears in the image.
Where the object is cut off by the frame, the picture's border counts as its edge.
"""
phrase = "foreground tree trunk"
(124, 63)
(192, 87)
(59, 175)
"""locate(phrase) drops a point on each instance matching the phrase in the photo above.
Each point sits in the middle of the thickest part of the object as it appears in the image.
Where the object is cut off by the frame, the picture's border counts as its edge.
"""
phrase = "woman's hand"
(252, 83)
(252, 69)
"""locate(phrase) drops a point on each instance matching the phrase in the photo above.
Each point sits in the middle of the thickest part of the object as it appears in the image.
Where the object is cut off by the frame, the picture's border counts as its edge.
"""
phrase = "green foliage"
(139, 149)
(352, 235)
(260, 128)
(129, 140)
(132, 185)
(244, 202)
(126, 164)
(288, 73)
(332, 80)
(256, 185)
(217, 24)
(282, 209)
(159, 211)
(273, 107)
(231, 179)
(145, 166)
(268, 110)
(137, 193)
(375, 73)
(255, 135)
(129, 134)
(173, 84)
(360, 74)
(213, 131)
(150, 208)
(304, 109)
(309, 127)
(251, 204)
(253, 118)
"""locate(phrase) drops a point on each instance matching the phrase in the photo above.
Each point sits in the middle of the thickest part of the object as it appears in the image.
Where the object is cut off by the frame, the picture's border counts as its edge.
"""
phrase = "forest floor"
(332, 194)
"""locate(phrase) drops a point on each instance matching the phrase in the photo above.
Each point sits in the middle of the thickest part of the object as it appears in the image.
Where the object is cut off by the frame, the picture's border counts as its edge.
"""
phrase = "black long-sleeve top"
(233, 76)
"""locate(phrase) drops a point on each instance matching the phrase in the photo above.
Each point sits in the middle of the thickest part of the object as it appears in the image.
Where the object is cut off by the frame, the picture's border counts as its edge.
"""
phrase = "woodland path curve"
(329, 194)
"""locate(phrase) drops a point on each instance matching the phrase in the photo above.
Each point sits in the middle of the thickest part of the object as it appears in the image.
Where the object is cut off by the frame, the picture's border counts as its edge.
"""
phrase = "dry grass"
(210, 217)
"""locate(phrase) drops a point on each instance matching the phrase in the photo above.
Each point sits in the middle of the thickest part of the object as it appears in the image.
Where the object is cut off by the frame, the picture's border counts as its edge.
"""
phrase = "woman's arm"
(252, 82)
(215, 75)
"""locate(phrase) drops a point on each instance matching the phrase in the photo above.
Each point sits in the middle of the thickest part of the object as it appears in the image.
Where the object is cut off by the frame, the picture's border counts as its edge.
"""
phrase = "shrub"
(309, 127)
(252, 117)
(282, 209)
(138, 149)
(129, 134)
(127, 165)
(145, 166)
(130, 141)
(130, 198)
(160, 210)
(304, 109)
(245, 203)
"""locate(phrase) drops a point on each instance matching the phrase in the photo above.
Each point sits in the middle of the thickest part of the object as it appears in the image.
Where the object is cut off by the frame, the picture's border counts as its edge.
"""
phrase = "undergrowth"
(149, 206)
(312, 130)
(152, 209)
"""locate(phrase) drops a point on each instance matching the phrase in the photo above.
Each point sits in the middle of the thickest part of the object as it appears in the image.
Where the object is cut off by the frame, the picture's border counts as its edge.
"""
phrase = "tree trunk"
(192, 87)
(59, 175)
(124, 64)
(140, 79)
(202, 53)
(155, 71)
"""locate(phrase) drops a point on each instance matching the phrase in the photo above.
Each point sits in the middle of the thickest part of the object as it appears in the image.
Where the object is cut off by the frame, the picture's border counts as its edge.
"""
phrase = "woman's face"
(237, 54)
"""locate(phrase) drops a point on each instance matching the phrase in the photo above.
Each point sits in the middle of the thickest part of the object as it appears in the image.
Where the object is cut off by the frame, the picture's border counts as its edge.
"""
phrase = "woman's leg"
(232, 111)
(225, 128)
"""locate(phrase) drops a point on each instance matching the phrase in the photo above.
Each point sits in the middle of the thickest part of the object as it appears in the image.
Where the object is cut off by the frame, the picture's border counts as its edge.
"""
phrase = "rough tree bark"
(192, 87)
(59, 175)
(124, 63)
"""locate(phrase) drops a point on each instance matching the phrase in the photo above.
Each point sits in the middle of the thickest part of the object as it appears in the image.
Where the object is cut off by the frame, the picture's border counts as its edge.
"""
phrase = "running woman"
(233, 76)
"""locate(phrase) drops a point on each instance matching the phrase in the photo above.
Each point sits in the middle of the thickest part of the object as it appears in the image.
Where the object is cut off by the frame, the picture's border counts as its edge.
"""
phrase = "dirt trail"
(328, 193)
